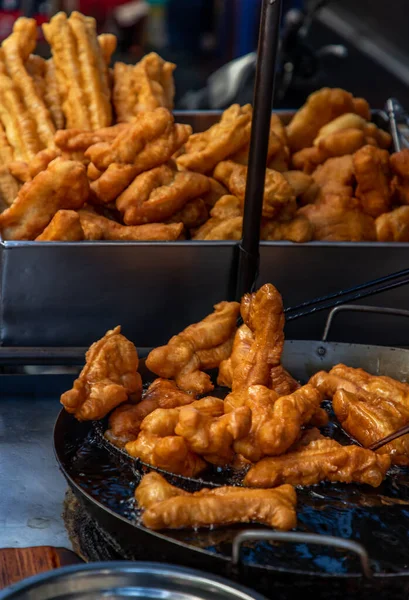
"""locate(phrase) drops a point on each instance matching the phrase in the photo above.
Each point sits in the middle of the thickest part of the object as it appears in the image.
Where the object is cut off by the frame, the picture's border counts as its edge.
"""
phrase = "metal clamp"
(397, 312)
(254, 535)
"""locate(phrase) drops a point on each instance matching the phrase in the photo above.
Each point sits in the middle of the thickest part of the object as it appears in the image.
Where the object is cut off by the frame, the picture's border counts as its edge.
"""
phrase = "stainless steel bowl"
(115, 580)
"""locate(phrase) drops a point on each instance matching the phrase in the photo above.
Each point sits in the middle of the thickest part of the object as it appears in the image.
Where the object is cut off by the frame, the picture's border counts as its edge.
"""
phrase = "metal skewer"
(262, 105)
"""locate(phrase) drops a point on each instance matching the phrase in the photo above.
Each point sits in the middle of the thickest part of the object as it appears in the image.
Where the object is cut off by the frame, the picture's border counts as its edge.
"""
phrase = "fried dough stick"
(125, 421)
(143, 87)
(393, 226)
(369, 407)
(15, 51)
(167, 507)
(97, 227)
(279, 197)
(181, 358)
(9, 188)
(263, 314)
(78, 140)
(110, 377)
(204, 151)
(65, 226)
(20, 128)
(81, 72)
(321, 460)
(372, 172)
(155, 195)
(52, 94)
(63, 185)
(276, 422)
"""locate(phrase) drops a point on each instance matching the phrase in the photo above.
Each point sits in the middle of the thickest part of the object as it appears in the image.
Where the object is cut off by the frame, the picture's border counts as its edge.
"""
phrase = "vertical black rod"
(260, 130)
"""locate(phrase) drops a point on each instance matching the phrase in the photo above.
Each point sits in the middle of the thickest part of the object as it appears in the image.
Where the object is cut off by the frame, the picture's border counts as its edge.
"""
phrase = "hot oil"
(377, 518)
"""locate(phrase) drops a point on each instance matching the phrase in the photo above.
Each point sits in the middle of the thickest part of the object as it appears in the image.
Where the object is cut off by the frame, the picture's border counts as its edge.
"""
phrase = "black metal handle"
(397, 312)
(254, 535)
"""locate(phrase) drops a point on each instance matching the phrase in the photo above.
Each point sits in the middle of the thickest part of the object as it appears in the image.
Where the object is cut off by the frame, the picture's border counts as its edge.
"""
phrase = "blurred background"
(361, 46)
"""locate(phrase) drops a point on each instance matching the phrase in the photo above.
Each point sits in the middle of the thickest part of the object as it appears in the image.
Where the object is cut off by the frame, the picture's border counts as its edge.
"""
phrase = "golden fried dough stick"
(368, 407)
(263, 313)
(215, 229)
(155, 195)
(170, 453)
(65, 226)
(110, 377)
(335, 176)
(27, 171)
(15, 51)
(216, 191)
(298, 230)
(106, 187)
(277, 141)
(81, 72)
(211, 437)
(107, 42)
(393, 226)
(63, 185)
(9, 188)
(192, 215)
(20, 170)
(399, 163)
(282, 383)
(279, 197)
(18, 124)
(154, 488)
(179, 358)
(52, 95)
(371, 166)
(344, 122)
(167, 507)
(204, 150)
(149, 141)
(322, 107)
(321, 460)
(299, 181)
(276, 422)
(241, 346)
(125, 421)
(143, 87)
(338, 219)
(35, 66)
(6, 151)
(78, 140)
(97, 227)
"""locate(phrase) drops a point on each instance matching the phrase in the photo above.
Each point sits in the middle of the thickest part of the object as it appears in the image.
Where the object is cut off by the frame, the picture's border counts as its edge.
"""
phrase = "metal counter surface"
(32, 488)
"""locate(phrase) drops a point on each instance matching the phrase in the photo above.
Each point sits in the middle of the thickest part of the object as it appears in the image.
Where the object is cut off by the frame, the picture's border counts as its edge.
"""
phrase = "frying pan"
(363, 545)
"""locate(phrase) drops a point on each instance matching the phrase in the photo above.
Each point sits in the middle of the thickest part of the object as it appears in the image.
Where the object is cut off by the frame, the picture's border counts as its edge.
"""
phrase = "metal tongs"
(398, 124)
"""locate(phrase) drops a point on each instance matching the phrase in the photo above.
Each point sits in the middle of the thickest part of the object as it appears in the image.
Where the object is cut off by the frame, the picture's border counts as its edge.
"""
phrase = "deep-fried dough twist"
(63, 185)
(371, 166)
(155, 195)
(180, 358)
(110, 377)
(321, 460)
(97, 227)
(169, 507)
(204, 150)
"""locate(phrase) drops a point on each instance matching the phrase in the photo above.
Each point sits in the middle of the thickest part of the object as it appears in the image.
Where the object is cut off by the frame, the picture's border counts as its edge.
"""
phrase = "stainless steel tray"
(71, 293)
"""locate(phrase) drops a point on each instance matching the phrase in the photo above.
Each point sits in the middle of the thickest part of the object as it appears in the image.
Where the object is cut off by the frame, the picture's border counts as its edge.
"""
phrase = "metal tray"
(69, 294)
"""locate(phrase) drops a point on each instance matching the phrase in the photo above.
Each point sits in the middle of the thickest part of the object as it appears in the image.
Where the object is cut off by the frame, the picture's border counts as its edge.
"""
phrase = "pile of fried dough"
(267, 426)
(90, 152)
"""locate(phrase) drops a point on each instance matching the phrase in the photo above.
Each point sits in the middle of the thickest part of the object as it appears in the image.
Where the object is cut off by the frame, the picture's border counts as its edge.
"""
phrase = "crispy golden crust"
(299, 230)
(52, 95)
(63, 185)
(241, 346)
(65, 226)
(204, 151)
(220, 229)
(155, 195)
(321, 107)
(15, 51)
(393, 226)
(107, 42)
(81, 71)
(9, 188)
(192, 215)
(371, 167)
(97, 227)
(143, 87)
(149, 141)
(169, 507)
(106, 187)
(78, 140)
(368, 407)
(279, 197)
(180, 360)
(399, 163)
(109, 378)
(321, 460)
